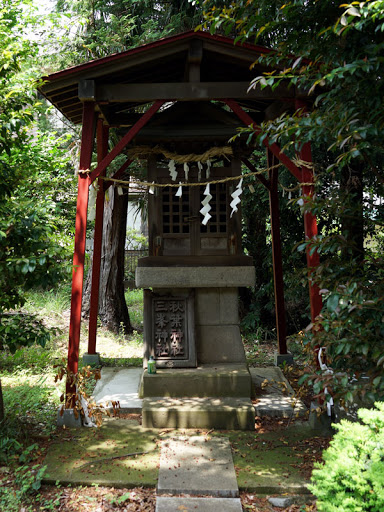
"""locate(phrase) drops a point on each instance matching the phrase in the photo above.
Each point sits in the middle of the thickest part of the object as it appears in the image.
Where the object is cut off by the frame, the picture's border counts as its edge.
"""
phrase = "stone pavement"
(120, 385)
(197, 466)
(276, 399)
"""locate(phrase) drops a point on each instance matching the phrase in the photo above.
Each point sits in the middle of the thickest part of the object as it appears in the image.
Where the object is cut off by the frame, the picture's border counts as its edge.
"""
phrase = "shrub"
(352, 476)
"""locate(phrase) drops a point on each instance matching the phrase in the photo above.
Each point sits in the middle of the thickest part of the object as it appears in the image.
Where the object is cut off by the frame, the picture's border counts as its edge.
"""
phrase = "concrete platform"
(120, 385)
(228, 413)
(277, 398)
(209, 380)
(197, 465)
(165, 504)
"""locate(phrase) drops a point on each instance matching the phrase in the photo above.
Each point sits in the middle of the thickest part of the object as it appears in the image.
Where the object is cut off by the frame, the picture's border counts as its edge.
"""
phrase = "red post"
(277, 259)
(310, 230)
(102, 150)
(80, 235)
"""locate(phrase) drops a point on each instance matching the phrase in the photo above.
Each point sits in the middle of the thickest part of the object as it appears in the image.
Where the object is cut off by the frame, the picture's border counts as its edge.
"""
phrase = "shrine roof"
(192, 66)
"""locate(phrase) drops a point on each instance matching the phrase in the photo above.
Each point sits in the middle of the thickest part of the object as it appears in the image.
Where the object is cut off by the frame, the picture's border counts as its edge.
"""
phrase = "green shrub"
(352, 476)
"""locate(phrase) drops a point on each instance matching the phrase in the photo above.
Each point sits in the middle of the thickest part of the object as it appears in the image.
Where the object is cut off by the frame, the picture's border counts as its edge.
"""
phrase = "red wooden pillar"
(277, 257)
(80, 236)
(102, 151)
(310, 229)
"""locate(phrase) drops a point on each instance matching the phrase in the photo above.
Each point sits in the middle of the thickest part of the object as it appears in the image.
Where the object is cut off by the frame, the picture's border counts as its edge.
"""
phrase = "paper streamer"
(236, 197)
(151, 189)
(200, 168)
(208, 169)
(327, 371)
(120, 191)
(206, 206)
(179, 192)
(92, 202)
(186, 171)
(172, 170)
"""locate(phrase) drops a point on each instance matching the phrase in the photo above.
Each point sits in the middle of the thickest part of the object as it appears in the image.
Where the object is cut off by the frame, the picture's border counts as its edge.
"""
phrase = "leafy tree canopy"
(334, 52)
(33, 174)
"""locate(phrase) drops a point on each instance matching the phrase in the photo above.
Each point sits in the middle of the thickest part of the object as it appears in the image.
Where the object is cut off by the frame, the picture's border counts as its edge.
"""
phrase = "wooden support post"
(87, 138)
(310, 230)
(102, 151)
(277, 257)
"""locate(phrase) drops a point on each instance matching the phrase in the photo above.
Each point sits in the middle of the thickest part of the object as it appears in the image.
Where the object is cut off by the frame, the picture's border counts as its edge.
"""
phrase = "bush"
(352, 476)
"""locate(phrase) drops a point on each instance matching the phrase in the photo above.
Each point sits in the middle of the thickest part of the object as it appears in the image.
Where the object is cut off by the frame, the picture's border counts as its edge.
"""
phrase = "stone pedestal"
(216, 393)
(215, 289)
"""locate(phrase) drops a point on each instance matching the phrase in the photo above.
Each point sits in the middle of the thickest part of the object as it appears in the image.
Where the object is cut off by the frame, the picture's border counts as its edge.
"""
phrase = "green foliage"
(28, 480)
(352, 476)
(34, 185)
(96, 29)
(338, 60)
(351, 329)
(22, 330)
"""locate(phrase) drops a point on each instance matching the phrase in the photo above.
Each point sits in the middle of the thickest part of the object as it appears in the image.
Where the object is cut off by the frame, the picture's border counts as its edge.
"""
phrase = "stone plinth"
(194, 277)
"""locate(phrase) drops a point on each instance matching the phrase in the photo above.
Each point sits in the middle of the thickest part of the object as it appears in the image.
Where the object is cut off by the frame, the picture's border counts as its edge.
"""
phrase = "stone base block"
(321, 422)
(217, 413)
(67, 419)
(92, 359)
(280, 359)
(229, 380)
(219, 344)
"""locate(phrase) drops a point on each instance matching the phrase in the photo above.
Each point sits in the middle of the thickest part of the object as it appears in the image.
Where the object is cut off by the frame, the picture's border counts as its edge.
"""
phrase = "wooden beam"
(195, 56)
(274, 148)
(87, 138)
(188, 91)
(86, 90)
(260, 177)
(118, 173)
(277, 259)
(125, 140)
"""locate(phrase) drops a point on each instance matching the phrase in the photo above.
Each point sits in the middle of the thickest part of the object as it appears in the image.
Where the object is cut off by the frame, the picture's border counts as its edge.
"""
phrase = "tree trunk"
(352, 220)
(1, 404)
(113, 311)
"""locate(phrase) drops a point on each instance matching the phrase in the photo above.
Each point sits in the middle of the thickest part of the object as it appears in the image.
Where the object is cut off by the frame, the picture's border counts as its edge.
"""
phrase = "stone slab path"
(197, 465)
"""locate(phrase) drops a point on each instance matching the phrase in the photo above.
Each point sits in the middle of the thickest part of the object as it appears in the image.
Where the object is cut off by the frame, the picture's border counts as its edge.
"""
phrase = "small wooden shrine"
(193, 94)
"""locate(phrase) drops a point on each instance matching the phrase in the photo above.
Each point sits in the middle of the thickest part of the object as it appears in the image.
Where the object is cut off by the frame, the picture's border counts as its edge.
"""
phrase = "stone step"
(166, 504)
(225, 413)
(230, 380)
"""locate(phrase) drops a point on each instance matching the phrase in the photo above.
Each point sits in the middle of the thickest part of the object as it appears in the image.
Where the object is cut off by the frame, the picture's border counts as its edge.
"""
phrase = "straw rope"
(141, 151)
(194, 184)
(149, 184)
